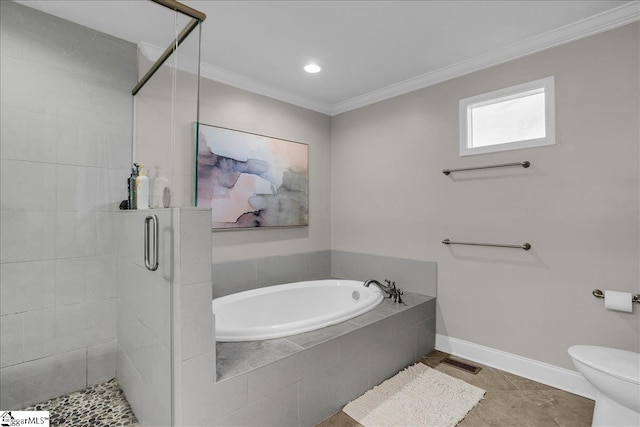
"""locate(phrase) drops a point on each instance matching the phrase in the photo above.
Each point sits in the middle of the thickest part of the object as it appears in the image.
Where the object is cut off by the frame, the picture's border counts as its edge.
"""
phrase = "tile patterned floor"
(510, 401)
(101, 405)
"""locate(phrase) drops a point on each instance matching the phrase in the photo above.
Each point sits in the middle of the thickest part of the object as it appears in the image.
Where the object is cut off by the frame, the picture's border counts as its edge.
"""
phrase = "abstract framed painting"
(250, 180)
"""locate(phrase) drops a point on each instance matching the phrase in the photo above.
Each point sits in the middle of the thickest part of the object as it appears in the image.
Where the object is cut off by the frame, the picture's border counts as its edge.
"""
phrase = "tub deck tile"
(234, 358)
(309, 339)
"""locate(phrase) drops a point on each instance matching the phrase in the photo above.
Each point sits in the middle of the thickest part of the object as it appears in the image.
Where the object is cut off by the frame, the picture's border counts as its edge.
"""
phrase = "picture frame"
(250, 180)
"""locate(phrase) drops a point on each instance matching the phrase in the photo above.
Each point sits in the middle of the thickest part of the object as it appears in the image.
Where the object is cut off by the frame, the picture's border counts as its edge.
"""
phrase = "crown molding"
(599, 23)
(239, 81)
(608, 20)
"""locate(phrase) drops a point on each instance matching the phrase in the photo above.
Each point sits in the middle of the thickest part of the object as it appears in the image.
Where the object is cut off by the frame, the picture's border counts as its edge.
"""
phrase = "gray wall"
(65, 148)
(225, 106)
(577, 205)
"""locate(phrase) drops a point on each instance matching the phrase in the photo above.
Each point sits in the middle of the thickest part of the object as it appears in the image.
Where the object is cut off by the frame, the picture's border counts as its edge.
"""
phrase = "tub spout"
(390, 289)
(382, 287)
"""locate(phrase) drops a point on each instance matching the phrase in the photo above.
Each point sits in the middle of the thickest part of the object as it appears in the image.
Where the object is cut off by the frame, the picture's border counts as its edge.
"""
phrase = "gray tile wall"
(309, 386)
(410, 275)
(65, 144)
(195, 343)
(143, 317)
(237, 276)
(317, 378)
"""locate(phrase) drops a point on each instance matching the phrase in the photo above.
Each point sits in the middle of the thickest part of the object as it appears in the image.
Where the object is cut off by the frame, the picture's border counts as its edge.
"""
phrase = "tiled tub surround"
(237, 276)
(305, 378)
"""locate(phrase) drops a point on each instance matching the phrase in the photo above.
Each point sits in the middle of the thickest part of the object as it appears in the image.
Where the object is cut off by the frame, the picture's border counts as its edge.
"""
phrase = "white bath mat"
(416, 396)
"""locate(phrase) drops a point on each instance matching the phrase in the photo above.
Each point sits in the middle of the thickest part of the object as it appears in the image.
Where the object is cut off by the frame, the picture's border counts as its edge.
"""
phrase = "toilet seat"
(621, 364)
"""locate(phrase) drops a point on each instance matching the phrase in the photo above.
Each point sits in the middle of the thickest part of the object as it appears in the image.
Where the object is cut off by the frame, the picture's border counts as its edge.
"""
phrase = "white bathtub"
(278, 311)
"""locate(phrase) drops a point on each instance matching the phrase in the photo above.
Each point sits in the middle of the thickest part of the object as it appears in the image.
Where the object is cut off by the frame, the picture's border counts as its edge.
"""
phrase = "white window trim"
(548, 84)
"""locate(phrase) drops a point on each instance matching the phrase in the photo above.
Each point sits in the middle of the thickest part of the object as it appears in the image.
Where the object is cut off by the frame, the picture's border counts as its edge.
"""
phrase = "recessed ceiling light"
(312, 68)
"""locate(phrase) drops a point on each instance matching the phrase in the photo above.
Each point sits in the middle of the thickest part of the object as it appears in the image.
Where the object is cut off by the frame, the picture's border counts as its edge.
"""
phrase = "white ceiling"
(369, 50)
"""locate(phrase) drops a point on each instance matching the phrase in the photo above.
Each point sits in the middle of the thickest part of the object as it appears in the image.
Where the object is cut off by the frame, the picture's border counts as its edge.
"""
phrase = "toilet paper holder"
(599, 294)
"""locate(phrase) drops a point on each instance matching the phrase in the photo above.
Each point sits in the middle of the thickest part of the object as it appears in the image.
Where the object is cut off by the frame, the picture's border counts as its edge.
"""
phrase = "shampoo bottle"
(159, 185)
(142, 188)
(131, 188)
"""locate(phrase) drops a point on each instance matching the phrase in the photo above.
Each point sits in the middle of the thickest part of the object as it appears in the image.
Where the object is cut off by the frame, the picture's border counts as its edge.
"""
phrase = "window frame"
(466, 105)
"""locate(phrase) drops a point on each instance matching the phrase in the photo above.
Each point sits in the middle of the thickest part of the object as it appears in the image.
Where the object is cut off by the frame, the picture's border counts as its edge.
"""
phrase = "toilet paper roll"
(619, 301)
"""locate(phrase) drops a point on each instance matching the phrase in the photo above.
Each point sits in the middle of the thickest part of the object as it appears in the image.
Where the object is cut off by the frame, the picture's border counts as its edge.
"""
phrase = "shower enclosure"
(78, 308)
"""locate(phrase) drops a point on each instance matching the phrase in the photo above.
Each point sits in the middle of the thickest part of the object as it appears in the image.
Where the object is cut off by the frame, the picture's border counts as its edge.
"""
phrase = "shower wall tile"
(101, 277)
(21, 96)
(11, 339)
(65, 142)
(278, 270)
(131, 382)
(71, 276)
(235, 276)
(195, 246)
(11, 44)
(99, 321)
(155, 369)
(78, 186)
(27, 236)
(111, 188)
(101, 362)
(26, 135)
(42, 379)
(156, 306)
(75, 234)
(411, 275)
(196, 331)
(106, 235)
(69, 327)
(26, 286)
(27, 186)
(157, 413)
(40, 338)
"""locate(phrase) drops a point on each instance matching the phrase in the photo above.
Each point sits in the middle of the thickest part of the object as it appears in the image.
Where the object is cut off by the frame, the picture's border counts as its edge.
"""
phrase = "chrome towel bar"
(599, 294)
(525, 246)
(524, 164)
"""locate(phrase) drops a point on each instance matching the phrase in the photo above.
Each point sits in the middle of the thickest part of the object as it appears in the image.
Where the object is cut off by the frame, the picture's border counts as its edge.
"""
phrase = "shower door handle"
(151, 250)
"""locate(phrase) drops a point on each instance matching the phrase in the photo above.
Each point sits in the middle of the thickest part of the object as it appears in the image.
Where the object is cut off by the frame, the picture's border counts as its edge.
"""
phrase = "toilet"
(616, 376)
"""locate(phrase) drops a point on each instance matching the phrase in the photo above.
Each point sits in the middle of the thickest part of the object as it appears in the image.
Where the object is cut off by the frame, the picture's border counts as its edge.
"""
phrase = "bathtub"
(282, 310)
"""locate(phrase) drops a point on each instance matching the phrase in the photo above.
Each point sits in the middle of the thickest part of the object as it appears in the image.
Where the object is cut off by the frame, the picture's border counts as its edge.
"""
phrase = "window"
(519, 116)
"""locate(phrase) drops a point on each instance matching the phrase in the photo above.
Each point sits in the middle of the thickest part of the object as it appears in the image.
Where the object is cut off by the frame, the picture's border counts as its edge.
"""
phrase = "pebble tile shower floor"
(101, 405)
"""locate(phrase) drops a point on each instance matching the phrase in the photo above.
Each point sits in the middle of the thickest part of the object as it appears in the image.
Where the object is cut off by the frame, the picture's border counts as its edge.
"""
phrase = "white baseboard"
(551, 375)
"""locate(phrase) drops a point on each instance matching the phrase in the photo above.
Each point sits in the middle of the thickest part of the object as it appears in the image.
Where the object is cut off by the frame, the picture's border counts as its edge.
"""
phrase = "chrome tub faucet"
(390, 289)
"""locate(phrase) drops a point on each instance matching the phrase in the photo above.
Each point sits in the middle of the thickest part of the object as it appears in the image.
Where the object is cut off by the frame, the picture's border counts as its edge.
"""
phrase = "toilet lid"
(617, 363)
